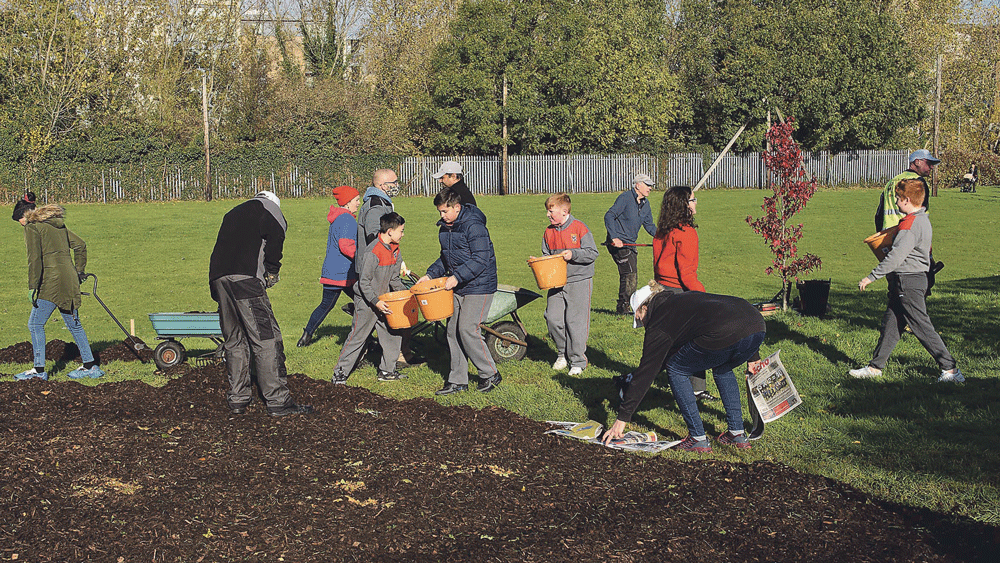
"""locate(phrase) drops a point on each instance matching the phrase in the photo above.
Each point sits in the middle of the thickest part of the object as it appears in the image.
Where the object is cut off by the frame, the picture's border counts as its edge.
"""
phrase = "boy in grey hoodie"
(905, 268)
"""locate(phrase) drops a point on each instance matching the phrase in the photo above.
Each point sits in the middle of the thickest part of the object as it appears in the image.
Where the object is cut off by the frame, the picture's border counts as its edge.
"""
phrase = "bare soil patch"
(128, 472)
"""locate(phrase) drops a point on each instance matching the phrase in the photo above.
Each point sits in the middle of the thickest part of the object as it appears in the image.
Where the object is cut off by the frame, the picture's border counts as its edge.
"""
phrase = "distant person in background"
(675, 256)
(54, 278)
(970, 179)
(244, 265)
(450, 176)
(338, 273)
(630, 212)
(922, 164)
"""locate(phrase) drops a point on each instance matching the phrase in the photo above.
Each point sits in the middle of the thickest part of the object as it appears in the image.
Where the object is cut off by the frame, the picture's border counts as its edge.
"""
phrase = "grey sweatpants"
(465, 339)
(567, 315)
(908, 305)
(251, 332)
(365, 319)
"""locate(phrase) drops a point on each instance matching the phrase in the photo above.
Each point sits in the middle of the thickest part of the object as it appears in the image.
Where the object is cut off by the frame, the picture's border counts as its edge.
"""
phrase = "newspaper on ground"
(592, 431)
(771, 389)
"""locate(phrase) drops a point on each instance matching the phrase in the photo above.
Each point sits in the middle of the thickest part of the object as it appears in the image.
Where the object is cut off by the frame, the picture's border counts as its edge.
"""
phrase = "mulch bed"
(128, 472)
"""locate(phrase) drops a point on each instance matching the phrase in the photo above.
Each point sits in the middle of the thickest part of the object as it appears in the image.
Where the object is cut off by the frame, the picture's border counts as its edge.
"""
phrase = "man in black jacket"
(686, 333)
(244, 264)
(450, 176)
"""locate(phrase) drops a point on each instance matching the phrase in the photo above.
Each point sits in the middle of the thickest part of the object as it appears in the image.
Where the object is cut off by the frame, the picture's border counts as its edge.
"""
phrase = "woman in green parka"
(54, 277)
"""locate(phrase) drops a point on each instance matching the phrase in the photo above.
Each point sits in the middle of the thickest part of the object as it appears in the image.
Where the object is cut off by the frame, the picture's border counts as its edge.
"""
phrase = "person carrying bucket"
(379, 274)
(467, 258)
(567, 312)
(630, 211)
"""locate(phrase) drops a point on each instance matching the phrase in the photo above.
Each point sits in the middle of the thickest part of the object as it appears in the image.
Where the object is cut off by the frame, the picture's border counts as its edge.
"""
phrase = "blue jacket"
(341, 247)
(467, 253)
(626, 216)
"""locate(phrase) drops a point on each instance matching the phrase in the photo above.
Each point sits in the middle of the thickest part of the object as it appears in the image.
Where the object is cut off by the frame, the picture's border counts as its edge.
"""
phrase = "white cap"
(447, 167)
(270, 196)
(638, 298)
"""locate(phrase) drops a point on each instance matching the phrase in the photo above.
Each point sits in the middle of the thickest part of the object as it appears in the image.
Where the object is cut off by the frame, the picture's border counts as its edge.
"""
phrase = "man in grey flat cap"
(630, 212)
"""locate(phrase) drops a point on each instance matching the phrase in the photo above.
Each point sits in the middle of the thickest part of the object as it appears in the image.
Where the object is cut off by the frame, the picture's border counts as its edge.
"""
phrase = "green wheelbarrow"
(506, 339)
(171, 327)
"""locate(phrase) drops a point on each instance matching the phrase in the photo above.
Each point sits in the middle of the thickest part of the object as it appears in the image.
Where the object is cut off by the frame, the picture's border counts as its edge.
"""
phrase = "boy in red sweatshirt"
(567, 313)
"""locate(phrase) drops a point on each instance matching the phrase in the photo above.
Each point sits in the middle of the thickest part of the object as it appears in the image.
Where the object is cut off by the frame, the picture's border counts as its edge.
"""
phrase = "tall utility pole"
(503, 165)
(937, 125)
(204, 115)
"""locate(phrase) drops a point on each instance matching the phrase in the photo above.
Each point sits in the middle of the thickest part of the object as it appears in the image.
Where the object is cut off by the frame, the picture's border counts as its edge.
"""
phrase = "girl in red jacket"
(675, 256)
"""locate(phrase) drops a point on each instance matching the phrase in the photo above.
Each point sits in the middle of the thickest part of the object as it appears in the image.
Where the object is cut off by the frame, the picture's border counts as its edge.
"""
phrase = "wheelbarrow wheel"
(501, 350)
(168, 354)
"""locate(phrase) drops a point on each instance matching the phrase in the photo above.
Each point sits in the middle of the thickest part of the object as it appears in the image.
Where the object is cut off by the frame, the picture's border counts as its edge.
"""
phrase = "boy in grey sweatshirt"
(905, 268)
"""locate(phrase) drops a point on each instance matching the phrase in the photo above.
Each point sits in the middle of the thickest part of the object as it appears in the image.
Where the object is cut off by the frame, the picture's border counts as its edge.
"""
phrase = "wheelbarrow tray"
(507, 299)
(182, 325)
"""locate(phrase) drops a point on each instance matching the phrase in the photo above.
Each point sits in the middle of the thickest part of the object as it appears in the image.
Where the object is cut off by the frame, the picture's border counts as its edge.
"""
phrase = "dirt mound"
(125, 470)
(59, 351)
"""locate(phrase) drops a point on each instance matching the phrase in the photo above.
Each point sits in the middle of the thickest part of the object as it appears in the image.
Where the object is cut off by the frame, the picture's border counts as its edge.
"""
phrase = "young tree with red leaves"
(792, 191)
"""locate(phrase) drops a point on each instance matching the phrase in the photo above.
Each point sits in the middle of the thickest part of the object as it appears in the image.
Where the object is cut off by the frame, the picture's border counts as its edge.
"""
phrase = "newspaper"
(592, 431)
(772, 390)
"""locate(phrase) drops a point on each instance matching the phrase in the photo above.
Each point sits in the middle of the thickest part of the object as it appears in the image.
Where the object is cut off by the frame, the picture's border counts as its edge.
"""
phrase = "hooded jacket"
(374, 204)
(250, 241)
(341, 248)
(467, 253)
(51, 269)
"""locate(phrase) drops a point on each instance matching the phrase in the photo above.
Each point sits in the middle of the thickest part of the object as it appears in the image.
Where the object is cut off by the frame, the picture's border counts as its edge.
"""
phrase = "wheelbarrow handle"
(609, 245)
(135, 346)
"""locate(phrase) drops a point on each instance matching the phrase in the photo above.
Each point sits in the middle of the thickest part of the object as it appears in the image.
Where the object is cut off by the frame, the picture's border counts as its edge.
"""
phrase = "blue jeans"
(691, 359)
(330, 295)
(36, 324)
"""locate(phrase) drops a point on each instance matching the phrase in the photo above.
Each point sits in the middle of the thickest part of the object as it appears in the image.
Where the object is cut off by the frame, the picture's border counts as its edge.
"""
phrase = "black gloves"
(83, 277)
(270, 279)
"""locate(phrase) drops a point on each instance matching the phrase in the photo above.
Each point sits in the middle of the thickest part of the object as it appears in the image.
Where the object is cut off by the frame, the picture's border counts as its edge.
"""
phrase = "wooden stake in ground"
(718, 159)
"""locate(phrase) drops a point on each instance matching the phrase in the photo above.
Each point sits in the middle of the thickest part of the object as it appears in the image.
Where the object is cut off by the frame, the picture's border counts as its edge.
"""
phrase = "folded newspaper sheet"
(772, 390)
(591, 431)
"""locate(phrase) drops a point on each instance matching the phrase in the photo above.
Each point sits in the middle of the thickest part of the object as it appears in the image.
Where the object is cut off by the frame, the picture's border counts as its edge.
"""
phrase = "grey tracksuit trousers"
(251, 333)
(567, 315)
(365, 319)
(908, 305)
(465, 339)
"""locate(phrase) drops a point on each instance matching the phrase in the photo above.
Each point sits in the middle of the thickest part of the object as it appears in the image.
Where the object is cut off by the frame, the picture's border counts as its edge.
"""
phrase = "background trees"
(110, 81)
(581, 76)
(840, 67)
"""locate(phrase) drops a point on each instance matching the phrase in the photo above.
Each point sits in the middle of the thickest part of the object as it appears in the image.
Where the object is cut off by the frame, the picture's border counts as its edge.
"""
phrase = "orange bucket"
(404, 308)
(881, 242)
(436, 303)
(550, 271)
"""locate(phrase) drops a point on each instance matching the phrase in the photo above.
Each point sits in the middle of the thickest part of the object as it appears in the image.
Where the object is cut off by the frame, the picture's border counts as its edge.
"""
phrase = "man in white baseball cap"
(450, 175)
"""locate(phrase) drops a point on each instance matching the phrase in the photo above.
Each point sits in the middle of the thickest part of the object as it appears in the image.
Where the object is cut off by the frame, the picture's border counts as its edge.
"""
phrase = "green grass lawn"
(902, 437)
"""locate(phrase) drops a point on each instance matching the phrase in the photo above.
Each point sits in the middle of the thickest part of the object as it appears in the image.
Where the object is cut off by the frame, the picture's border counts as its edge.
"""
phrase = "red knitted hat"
(344, 194)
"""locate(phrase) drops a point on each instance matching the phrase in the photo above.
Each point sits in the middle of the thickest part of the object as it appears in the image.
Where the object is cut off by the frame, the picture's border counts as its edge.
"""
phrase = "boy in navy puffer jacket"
(468, 260)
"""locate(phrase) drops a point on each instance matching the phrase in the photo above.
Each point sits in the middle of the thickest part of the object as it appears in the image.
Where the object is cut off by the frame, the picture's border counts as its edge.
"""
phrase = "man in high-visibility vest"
(922, 163)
